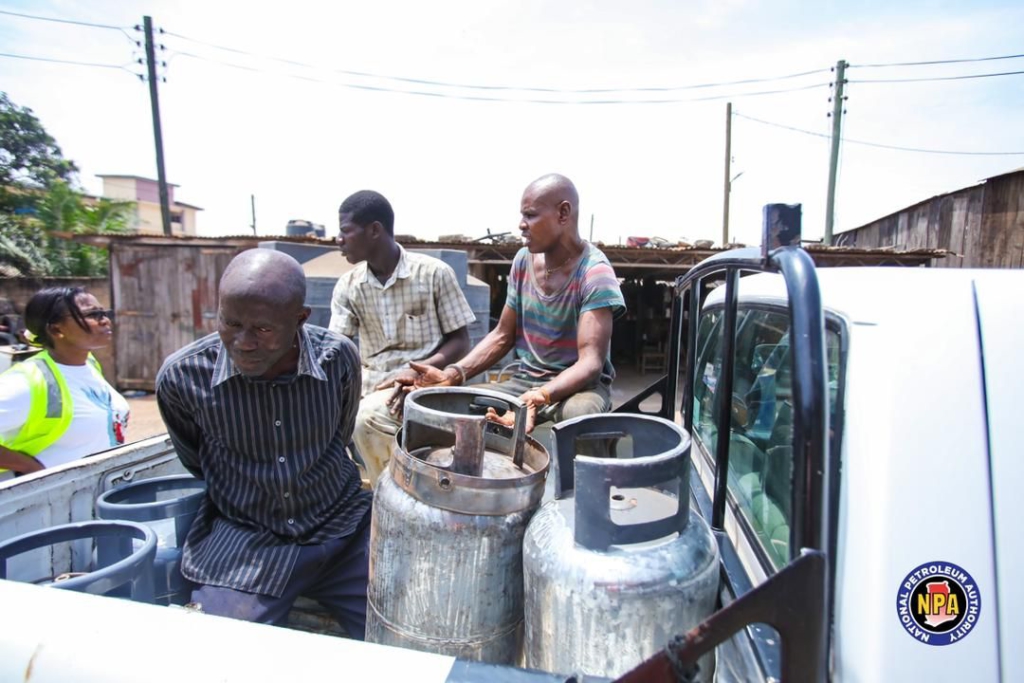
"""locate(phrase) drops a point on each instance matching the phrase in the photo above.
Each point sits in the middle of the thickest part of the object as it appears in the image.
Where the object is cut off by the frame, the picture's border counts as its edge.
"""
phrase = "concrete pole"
(728, 172)
(833, 160)
(154, 101)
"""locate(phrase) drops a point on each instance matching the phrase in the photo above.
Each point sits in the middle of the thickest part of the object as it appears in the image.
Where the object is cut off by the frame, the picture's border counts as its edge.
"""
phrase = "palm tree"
(60, 211)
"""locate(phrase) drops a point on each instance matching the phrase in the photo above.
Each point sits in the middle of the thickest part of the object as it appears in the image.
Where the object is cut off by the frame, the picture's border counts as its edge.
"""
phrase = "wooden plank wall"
(165, 297)
(1002, 224)
(982, 225)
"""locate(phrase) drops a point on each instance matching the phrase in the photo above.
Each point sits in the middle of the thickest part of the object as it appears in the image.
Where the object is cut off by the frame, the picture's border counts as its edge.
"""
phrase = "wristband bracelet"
(458, 368)
(546, 394)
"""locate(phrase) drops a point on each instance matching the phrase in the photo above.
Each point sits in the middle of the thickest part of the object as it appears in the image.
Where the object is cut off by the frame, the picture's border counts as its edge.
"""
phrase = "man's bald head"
(260, 310)
(265, 274)
(552, 190)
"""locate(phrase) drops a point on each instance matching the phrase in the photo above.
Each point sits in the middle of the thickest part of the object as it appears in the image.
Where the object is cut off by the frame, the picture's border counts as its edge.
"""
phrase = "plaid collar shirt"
(404, 319)
(272, 453)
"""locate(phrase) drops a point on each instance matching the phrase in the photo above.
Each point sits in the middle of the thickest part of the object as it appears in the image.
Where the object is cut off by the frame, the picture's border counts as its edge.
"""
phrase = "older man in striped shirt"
(262, 411)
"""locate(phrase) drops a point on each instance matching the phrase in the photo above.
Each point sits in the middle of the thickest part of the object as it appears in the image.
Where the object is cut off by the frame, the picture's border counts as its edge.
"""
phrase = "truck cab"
(862, 416)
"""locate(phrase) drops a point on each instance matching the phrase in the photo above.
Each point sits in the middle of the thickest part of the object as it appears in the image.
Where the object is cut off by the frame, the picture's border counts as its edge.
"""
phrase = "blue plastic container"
(120, 557)
(168, 505)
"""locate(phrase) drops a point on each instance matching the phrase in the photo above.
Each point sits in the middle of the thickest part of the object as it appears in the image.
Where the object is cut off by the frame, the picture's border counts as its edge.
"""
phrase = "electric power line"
(470, 86)
(935, 78)
(937, 61)
(68, 61)
(64, 21)
(122, 29)
(565, 91)
(482, 98)
(873, 144)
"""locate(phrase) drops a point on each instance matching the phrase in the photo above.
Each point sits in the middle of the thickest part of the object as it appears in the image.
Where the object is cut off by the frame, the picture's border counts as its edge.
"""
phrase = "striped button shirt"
(401, 320)
(272, 453)
(546, 324)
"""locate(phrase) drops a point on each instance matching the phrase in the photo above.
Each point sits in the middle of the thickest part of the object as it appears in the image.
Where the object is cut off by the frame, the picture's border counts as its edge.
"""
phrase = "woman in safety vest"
(56, 407)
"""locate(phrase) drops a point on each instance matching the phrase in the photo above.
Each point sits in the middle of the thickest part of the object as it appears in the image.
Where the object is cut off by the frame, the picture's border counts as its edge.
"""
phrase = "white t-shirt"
(97, 423)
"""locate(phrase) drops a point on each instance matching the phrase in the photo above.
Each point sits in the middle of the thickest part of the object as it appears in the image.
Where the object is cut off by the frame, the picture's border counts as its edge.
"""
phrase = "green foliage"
(29, 158)
(106, 216)
(38, 203)
(21, 250)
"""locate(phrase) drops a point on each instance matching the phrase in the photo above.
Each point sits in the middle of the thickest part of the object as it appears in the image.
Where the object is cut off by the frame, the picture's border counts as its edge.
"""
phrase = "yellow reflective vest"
(50, 409)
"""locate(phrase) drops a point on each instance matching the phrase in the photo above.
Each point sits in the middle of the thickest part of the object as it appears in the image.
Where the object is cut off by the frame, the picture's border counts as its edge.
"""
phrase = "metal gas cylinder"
(446, 539)
(617, 564)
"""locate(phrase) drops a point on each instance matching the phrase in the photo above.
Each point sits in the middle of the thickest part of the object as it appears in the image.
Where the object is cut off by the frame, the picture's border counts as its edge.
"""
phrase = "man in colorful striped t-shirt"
(562, 298)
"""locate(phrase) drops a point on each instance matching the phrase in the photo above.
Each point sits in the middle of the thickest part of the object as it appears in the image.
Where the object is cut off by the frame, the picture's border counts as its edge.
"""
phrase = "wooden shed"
(982, 225)
(164, 295)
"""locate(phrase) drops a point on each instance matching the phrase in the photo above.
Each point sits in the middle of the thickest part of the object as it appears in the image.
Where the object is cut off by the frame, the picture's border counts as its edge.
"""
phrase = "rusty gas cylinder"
(449, 514)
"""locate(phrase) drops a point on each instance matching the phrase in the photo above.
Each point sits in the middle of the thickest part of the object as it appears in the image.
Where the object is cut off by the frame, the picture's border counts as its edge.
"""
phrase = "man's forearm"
(489, 351)
(575, 378)
(453, 348)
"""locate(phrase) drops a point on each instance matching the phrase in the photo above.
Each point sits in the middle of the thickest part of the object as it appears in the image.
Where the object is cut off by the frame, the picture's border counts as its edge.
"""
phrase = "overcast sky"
(301, 138)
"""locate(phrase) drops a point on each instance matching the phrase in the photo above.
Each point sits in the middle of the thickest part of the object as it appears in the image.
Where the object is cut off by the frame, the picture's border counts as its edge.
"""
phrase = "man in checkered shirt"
(403, 306)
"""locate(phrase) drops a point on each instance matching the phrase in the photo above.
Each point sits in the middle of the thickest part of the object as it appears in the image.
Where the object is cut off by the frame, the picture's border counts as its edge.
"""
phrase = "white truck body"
(929, 468)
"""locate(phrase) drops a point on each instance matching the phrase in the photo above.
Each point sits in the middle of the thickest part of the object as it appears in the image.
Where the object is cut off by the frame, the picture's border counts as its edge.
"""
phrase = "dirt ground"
(144, 420)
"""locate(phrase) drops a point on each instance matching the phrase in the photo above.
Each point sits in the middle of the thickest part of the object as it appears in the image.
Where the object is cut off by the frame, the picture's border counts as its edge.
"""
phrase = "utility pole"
(154, 101)
(833, 160)
(728, 171)
(252, 198)
(591, 239)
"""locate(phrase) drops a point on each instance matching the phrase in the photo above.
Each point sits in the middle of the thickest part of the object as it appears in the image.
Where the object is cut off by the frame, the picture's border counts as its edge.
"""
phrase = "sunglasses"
(99, 314)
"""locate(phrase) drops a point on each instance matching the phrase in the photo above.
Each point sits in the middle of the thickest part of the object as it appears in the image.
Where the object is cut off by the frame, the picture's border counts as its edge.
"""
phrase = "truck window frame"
(807, 580)
(835, 329)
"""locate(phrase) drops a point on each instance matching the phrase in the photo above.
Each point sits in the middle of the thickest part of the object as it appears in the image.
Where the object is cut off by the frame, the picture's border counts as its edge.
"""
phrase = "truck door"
(755, 399)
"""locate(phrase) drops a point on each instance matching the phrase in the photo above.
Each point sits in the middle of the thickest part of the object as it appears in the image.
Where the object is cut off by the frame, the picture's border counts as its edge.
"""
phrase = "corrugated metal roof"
(629, 262)
(510, 247)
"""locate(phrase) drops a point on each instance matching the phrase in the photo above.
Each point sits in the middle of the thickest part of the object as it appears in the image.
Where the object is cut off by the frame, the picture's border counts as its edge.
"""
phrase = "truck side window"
(761, 434)
(759, 480)
(709, 365)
